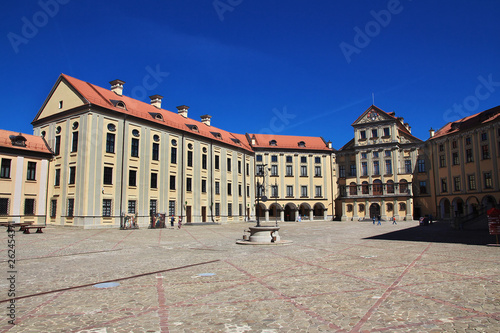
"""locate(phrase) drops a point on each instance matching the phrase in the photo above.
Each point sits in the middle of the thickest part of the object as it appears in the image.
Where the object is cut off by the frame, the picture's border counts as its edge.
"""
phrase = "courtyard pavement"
(334, 277)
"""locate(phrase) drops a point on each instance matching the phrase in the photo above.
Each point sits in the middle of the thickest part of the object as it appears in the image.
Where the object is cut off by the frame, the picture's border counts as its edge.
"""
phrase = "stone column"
(267, 215)
(282, 215)
(325, 214)
(311, 215)
(355, 216)
(344, 216)
(383, 210)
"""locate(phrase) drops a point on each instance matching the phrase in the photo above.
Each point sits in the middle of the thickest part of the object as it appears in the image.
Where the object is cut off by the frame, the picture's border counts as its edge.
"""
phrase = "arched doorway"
(472, 204)
(304, 210)
(260, 211)
(374, 210)
(488, 202)
(444, 208)
(290, 212)
(275, 211)
(458, 207)
(319, 211)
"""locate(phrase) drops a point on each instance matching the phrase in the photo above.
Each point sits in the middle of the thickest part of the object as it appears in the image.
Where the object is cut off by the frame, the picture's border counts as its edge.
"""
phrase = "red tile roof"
(468, 122)
(288, 142)
(107, 99)
(33, 143)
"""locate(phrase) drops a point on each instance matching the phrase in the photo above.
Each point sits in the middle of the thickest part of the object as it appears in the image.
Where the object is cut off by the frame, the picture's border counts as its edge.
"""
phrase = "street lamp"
(260, 173)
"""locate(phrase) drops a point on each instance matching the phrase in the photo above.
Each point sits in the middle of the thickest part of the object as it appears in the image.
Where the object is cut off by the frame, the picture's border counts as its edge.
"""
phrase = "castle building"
(23, 177)
(295, 174)
(115, 155)
(375, 168)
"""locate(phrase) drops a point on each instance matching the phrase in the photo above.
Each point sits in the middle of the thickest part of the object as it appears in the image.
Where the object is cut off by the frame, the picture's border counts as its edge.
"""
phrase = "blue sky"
(283, 67)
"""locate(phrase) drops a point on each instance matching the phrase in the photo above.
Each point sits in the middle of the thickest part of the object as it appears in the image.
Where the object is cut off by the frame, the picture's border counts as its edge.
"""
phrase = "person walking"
(378, 223)
(394, 220)
(179, 225)
(373, 219)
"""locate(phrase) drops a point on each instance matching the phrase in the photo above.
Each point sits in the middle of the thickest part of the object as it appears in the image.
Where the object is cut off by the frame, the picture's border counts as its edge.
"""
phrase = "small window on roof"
(217, 135)
(273, 143)
(193, 128)
(302, 144)
(120, 104)
(236, 141)
(159, 116)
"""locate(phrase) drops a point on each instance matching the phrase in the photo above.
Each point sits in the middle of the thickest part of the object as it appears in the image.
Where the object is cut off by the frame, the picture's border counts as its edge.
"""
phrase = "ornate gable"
(372, 115)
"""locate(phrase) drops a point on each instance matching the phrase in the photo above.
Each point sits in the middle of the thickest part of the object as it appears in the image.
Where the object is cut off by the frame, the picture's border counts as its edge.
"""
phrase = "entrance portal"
(374, 210)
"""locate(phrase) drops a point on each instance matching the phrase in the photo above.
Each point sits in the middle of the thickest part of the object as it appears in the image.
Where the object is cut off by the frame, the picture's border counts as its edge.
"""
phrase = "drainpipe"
(182, 178)
(211, 184)
(123, 173)
(245, 185)
(331, 176)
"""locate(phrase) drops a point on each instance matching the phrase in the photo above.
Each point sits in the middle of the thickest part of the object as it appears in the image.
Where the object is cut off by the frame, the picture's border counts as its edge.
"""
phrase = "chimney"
(183, 110)
(117, 86)
(206, 119)
(408, 127)
(431, 132)
(253, 140)
(402, 120)
(329, 144)
(156, 101)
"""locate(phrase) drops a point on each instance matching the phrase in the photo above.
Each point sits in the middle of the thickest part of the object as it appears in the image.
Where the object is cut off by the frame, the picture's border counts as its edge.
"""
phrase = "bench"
(11, 225)
(38, 229)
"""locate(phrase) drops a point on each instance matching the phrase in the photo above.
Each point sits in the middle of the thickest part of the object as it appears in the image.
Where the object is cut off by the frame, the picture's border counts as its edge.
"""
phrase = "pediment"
(373, 115)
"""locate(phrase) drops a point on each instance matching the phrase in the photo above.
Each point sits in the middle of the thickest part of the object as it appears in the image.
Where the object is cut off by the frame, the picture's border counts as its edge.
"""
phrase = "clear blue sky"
(288, 67)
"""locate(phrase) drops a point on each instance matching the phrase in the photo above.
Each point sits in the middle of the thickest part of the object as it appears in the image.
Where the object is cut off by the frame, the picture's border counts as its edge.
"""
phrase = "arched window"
(390, 186)
(353, 189)
(402, 206)
(403, 186)
(364, 188)
(302, 144)
(349, 208)
(273, 143)
(377, 187)
(390, 207)
(361, 207)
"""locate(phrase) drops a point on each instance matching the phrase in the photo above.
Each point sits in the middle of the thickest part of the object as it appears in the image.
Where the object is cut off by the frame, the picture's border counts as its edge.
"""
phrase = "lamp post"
(260, 173)
(276, 196)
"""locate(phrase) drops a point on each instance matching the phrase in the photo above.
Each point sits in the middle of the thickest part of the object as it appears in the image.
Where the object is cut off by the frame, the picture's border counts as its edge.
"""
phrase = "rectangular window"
(72, 175)
(53, 208)
(468, 155)
(71, 207)
(106, 207)
(229, 189)
(289, 159)
(274, 158)
(317, 171)
(442, 161)
(108, 176)
(303, 170)
(485, 149)
(171, 208)
(110, 143)
(57, 178)
(217, 162)
(444, 185)
(317, 160)
(134, 149)
(258, 158)
(423, 187)
(364, 156)
(353, 170)
(239, 190)
(217, 209)
(156, 151)
(74, 142)
(4, 206)
(248, 190)
(408, 168)
(441, 147)
(303, 159)
(376, 168)
(289, 170)
(204, 161)
(57, 145)
(229, 209)
(388, 167)
(217, 187)
(153, 204)
(248, 169)
(190, 158)
(29, 206)
(387, 153)
(31, 171)
(229, 165)
(274, 170)
(454, 144)
(131, 206)
(172, 182)
(471, 179)
(484, 136)
(457, 183)
(362, 135)
(154, 180)
(203, 186)
(318, 192)
(342, 171)
(259, 170)
(173, 155)
(488, 181)
(374, 133)
(289, 191)
(239, 166)
(421, 165)
(240, 208)
(454, 158)
(274, 191)
(364, 169)
(132, 178)
(5, 170)
(387, 131)
(468, 141)
(189, 184)
(303, 191)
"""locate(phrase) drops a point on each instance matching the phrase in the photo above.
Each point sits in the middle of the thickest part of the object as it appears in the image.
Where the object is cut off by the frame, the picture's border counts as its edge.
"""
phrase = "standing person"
(378, 217)
(179, 225)
(172, 219)
(373, 219)
(299, 218)
(394, 220)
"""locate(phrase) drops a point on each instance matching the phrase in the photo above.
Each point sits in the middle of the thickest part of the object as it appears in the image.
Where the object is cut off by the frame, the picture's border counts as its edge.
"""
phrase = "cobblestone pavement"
(334, 277)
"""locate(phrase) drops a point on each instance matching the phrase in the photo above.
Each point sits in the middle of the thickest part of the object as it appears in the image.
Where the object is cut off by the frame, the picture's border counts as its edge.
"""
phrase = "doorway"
(188, 214)
(203, 213)
(374, 210)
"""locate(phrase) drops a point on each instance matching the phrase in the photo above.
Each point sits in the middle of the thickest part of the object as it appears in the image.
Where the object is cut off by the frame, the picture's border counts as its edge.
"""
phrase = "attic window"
(193, 128)
(236, 141)
(159, 116)
(60, 104)
(18, 140)
(302, 144)
(217, 135)
(119, 104)
(273, 143)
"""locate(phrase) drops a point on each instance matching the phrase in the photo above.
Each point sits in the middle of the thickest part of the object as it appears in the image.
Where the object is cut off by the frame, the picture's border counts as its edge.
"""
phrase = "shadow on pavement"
(439, 232)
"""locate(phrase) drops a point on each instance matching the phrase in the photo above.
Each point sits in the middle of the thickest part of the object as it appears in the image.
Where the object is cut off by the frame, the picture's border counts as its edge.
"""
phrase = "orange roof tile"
(33, 143)
(288, 142)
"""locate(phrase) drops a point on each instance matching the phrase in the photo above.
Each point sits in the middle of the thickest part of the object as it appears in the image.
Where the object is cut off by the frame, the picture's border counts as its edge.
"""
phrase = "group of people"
(393, 219)
(179, 223)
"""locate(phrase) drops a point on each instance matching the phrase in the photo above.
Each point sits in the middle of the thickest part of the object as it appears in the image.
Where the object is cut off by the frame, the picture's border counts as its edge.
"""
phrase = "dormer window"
(273, 143)
(193, 128)
(159, 116)
(18, 140)
(119, 104)
(217, 135)
(302, 144)
(236, 141)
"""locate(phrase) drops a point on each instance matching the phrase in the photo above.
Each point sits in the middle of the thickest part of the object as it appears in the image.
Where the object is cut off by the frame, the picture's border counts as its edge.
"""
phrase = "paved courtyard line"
(74, 243)
(118, 243)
